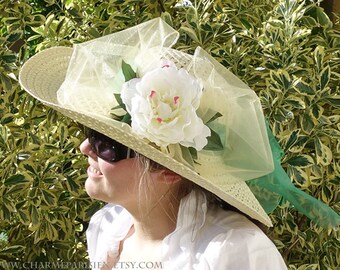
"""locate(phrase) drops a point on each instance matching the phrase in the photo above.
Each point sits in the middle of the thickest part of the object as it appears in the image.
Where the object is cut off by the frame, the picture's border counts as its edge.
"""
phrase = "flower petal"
(128, 92)
(163, 106)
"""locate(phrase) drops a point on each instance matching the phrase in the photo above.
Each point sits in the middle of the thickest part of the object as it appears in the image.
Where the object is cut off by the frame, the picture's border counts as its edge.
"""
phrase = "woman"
(172, 137)
(169, 224)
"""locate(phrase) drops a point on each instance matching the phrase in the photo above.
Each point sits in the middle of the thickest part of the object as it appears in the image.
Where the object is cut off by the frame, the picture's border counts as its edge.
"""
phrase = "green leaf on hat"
(128, 71)
(126, 119)
(193, 153)
(116, 116)
(214, 142)
(217, 115)
(120, 102)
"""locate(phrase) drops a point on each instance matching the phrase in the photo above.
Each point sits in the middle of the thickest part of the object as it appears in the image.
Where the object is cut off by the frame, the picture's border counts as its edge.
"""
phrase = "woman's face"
(115, 182)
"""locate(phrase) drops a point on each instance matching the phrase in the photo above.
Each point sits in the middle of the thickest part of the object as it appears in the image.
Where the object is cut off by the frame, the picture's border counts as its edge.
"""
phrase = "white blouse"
(204, 238)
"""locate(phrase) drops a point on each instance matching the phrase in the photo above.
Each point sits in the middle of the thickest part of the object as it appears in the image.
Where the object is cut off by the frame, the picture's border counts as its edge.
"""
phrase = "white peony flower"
(163, 105)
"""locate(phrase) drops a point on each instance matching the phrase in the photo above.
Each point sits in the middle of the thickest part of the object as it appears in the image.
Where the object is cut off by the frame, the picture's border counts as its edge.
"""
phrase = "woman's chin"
(94, 189)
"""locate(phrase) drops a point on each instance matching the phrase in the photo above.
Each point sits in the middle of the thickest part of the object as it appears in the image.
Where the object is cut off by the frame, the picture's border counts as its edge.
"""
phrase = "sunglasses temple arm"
(128, 154)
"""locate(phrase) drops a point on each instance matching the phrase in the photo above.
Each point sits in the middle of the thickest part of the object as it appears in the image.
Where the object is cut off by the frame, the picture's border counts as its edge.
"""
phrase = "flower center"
(164, 107)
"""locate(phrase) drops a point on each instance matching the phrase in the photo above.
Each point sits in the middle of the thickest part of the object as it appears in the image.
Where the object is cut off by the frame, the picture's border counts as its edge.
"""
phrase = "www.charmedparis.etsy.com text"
(79, 265)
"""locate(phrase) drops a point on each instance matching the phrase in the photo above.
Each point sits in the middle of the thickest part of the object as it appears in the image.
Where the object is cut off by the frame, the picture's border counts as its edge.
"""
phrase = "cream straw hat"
(80, 82)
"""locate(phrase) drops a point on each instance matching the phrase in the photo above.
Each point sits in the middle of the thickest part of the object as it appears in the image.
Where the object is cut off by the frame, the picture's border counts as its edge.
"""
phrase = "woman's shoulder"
(208, 219)
(231, 239)
(229, 222)
(214, 238)
(232, 227)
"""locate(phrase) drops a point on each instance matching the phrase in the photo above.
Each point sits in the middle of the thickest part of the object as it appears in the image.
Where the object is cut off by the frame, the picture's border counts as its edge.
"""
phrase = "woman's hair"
(186, 187)
(146, 185)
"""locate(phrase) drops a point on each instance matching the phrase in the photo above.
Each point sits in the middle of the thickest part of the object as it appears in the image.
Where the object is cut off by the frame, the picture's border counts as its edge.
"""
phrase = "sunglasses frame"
(101, 143)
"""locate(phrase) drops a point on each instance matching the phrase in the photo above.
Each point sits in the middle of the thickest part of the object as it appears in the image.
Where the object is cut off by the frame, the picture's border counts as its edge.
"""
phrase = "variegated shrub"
(286, 50)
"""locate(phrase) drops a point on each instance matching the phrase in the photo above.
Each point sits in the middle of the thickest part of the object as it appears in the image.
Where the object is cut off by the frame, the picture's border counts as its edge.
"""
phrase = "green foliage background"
(286, 50)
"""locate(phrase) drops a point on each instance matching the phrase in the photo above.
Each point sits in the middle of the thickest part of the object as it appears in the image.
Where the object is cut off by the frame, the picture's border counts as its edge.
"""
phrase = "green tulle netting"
(271, 189)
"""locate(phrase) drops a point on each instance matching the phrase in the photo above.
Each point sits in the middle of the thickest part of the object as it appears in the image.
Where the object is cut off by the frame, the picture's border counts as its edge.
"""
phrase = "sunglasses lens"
(106, 148)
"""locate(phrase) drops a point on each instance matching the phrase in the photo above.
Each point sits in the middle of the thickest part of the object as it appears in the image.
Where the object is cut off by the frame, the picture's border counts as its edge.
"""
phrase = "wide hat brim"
(42, 76)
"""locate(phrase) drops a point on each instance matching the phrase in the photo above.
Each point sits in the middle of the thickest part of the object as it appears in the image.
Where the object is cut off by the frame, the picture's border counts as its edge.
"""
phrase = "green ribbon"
(272, 188)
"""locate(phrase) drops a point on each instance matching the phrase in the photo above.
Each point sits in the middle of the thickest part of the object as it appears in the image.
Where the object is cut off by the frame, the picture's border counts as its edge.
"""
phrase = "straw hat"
(80, 82)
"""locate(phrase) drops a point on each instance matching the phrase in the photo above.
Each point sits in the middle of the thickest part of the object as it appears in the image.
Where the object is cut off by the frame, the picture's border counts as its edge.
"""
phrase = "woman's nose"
(85, 148)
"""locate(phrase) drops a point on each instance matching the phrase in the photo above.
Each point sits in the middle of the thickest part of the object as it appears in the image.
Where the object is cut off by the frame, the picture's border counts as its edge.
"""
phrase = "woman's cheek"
(126, 170)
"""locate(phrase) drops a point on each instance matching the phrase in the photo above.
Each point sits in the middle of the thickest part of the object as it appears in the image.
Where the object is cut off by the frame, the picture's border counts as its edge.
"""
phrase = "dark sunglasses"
(107, 148)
